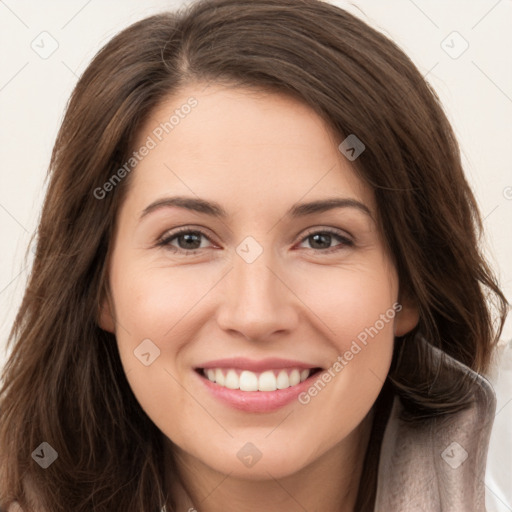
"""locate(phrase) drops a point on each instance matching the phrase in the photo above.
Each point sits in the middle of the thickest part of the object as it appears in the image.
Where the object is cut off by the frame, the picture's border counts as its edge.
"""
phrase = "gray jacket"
(439, 465)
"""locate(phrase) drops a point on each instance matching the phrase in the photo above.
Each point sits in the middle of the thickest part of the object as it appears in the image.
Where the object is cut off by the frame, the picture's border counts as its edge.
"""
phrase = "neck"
(330, 483)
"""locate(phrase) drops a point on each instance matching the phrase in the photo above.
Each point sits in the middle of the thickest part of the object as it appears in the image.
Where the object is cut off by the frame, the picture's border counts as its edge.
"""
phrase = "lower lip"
(257, 401)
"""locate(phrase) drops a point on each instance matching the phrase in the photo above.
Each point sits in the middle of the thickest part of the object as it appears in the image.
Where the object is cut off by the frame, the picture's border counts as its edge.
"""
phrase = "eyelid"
(174, 233)
(346, 240)
(331, 231)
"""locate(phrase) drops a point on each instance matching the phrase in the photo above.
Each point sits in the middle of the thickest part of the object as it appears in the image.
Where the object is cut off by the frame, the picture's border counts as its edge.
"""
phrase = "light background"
(475, 88)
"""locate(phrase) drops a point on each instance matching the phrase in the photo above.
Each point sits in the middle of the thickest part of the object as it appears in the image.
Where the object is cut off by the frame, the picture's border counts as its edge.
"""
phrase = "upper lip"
(256, 365)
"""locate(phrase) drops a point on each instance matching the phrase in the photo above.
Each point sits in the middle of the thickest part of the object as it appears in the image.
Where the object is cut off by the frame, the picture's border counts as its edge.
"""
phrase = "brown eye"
(187, 240)
(322, 240)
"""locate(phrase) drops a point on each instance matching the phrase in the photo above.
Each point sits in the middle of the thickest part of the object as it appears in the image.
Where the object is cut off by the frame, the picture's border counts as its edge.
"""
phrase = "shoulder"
(33, 503)
(14, 507)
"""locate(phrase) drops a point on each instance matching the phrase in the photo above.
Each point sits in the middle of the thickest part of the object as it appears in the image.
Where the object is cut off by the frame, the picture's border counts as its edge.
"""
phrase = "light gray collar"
(439, 464)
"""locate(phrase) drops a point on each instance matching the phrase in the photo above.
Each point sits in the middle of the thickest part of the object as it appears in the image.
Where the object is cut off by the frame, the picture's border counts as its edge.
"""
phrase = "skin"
(256, 154)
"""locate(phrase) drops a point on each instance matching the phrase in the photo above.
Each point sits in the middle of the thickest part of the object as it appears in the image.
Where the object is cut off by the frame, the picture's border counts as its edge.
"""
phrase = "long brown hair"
(64, 383)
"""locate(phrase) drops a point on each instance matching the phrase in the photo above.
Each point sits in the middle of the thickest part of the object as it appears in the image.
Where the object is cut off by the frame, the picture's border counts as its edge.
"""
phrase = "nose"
(257, 302)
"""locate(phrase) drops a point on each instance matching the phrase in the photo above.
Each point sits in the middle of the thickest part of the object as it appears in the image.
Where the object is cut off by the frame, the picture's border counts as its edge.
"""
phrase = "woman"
(257, 282)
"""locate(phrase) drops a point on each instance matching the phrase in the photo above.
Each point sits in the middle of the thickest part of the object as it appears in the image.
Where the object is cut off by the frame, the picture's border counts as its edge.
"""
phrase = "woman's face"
(259, 289)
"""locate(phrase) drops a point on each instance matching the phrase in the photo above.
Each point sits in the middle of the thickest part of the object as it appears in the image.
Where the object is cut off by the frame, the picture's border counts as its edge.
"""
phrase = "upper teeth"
(245, 380)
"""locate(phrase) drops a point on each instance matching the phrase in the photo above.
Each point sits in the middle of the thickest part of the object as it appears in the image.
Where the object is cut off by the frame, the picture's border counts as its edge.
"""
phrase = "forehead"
(242, 146)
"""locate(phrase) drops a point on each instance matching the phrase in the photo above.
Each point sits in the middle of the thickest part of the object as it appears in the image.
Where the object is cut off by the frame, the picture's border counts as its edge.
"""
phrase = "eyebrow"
(214, 209)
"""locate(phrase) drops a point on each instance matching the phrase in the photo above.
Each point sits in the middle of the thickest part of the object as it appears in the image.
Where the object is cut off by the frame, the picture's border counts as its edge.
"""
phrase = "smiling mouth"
(268, 380)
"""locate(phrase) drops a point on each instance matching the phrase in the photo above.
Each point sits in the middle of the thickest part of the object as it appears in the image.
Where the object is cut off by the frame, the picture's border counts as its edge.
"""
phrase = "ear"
(105, 316)
(407, 316)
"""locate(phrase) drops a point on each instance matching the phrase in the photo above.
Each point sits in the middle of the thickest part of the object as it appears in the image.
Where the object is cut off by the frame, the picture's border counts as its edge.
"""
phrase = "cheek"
(350, 302)
(155, 312)
(357, 309)
(152, 302)
(343, 395)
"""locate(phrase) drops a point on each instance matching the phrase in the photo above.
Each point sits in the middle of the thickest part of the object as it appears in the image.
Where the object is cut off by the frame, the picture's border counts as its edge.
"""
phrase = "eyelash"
(166, 240)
